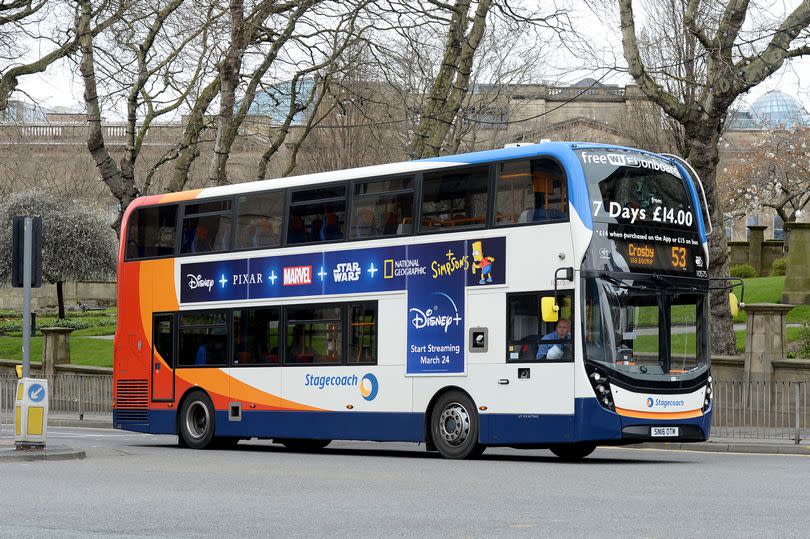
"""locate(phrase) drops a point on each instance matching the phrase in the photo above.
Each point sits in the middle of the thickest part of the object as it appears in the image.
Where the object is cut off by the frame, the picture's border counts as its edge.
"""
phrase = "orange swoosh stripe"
(659, 415)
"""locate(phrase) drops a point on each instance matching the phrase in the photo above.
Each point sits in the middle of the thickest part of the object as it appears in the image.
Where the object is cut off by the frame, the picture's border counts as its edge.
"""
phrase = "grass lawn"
(85, 322)
(769, 290)
(83, 350)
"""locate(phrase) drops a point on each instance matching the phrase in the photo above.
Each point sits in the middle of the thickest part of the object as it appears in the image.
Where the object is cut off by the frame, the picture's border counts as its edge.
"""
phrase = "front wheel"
(197, 421)
(572, 452)
(454, 426)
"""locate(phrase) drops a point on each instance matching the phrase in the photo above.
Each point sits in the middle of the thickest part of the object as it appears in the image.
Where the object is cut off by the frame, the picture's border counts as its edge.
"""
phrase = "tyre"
(197, 421)
(454, 426)
(571, 452)
(301, 444)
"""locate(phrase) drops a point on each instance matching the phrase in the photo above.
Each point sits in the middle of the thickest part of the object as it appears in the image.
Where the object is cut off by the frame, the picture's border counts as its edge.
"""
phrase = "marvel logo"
(297, 275)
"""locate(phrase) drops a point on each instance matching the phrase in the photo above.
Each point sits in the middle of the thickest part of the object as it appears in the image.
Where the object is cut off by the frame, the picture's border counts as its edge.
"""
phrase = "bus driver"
(555, 351)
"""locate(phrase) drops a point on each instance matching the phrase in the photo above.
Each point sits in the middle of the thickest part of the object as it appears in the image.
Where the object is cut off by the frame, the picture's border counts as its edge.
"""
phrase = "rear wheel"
(301, 444)
(197, 421)
(571, 452)
(454, 426)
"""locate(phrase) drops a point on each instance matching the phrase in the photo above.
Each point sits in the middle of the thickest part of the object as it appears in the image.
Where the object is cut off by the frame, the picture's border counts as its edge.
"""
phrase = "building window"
(454, 199)
(530, 191)
(778, 228)
(203, 339)
(206, 227)
(258, 222)
(532, 339)
(256, 336)
(317, 215)
(151, 232)
(382, 208)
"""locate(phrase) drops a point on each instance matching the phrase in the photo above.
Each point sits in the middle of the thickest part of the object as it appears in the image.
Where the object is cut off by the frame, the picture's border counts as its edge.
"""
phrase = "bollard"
(797, 437)
(31, 413)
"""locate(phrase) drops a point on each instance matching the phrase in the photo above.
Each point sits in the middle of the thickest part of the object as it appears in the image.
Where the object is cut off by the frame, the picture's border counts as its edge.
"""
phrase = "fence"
(69, 394)
(769, 410)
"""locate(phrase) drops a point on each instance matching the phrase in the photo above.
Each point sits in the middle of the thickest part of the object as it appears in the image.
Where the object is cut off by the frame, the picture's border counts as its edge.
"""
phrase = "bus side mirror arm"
(569, 276)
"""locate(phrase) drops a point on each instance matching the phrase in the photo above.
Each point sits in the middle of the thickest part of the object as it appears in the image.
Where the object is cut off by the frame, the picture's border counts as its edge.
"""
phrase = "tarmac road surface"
(142, 485)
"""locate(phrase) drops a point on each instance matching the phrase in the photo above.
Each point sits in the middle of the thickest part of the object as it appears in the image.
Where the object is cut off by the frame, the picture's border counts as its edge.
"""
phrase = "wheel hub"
(454, 424)
(197, 419)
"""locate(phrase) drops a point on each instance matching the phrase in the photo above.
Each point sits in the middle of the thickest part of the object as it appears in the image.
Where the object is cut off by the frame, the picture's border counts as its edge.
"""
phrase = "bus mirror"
(733, 304)
(549, 309)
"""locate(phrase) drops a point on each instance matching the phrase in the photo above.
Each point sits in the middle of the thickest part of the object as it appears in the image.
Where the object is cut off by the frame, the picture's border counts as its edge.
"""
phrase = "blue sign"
(36, 393)
(435, 276)
(436, 308)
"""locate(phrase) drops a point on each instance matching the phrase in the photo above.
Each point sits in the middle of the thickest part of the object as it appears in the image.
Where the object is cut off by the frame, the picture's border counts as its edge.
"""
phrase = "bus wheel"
(197, 421)
(571, 452)
(454, 426)
(303, 444)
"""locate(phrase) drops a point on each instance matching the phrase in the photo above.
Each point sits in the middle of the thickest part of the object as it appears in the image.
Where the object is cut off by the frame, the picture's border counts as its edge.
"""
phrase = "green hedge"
(744, 271)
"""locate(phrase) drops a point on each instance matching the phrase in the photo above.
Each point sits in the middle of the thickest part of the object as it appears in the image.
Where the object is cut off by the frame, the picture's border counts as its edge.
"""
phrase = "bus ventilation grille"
(132, 395)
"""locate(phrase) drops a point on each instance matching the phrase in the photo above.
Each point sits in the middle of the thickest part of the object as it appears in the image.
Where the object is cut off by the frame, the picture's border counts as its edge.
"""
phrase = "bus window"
(164, 337)
(530, 338)
(454, 198)
(206, 227)
(255, 336)
(382, 208)
(151, 232)
(317, 215)
(530, 191)
(363, 333)
(203, 339)
(314, 334)
(258, 222)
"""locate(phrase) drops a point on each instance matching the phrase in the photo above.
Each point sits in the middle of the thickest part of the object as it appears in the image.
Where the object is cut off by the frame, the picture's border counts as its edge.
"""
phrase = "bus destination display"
(646, 250)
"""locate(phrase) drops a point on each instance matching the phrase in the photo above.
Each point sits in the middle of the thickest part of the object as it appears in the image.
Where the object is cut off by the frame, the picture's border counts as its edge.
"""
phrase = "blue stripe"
(591, 422)
(690, 184)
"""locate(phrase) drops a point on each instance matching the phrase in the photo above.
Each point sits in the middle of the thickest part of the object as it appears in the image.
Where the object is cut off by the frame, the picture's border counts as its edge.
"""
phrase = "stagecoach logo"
(650, 402)
(664, 403)
(348, 271)
(432, 317)
(297, 275)
(196, 281)
(369, 387)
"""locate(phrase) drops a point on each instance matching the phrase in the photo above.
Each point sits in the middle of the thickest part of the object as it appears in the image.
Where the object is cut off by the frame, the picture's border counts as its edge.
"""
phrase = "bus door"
(164, 327)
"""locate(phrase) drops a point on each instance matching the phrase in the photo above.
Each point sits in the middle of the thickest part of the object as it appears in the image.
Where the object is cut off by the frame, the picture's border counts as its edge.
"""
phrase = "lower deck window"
(314, 334)
(203, 339)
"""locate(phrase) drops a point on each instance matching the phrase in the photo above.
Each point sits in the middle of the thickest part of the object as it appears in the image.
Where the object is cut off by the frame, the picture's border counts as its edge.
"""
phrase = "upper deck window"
(455, 199)
(531, 191)
(258, 222)
(382, 208)
(151, 232)
(206, 227)
(317, 214)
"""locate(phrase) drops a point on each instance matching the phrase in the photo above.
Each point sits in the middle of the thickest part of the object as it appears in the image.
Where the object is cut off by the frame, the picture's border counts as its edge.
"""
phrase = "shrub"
(743, 271)
(804, 341)
(779, 266)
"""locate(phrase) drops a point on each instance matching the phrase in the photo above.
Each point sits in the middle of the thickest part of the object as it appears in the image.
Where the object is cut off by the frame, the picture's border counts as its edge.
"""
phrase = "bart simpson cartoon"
(484, 263)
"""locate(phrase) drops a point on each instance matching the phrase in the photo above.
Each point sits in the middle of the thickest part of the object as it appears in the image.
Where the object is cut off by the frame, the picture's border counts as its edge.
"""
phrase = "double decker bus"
(548, 295)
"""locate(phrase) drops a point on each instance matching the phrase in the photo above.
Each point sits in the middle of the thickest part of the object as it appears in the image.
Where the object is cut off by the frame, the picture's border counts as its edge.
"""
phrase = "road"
(140, 485)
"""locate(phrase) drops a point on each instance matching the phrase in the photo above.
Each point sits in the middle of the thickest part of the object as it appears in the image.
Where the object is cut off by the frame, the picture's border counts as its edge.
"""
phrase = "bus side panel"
(375, 426)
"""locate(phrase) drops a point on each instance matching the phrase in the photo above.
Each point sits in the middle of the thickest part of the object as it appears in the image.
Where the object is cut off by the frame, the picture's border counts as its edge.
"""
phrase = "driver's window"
(530, 338)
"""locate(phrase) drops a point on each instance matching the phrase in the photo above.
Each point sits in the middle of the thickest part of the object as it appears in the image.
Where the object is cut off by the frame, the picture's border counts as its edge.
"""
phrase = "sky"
(61, 86)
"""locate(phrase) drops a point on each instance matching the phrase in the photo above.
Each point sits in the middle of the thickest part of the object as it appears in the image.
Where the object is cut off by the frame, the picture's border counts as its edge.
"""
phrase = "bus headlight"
(707, 400)
(601, 387)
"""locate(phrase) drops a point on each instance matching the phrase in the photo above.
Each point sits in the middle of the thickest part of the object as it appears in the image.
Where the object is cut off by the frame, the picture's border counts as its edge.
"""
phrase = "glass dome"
(776, 108)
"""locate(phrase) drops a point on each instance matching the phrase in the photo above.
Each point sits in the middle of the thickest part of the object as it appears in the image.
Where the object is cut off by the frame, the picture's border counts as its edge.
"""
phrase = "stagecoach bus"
(548, 295)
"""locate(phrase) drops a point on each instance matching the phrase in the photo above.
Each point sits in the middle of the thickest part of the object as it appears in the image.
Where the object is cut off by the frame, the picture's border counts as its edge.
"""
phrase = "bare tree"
(708, 56)
(145, 62)
(27, 21)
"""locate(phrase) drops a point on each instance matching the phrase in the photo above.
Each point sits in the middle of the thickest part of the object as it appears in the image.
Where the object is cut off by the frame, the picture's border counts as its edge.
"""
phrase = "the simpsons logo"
(484, 263)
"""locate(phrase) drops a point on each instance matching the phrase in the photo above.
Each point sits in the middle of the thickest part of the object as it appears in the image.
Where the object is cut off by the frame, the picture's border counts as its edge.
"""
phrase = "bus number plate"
(663, 432)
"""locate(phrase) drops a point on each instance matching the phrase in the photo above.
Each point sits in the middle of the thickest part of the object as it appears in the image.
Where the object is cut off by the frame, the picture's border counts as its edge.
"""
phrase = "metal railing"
(763, 410)
(76, 395)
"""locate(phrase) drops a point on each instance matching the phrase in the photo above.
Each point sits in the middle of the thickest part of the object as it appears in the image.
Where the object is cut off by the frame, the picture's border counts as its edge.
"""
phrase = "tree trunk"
(704, 157)
(60, 300)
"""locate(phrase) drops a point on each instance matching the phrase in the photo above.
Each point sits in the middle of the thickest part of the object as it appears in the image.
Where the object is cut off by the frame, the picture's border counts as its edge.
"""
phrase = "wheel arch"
(429, 445)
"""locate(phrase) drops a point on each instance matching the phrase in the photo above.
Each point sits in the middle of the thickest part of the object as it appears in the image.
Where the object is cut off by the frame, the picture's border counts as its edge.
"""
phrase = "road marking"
(693, 451)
